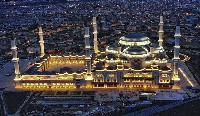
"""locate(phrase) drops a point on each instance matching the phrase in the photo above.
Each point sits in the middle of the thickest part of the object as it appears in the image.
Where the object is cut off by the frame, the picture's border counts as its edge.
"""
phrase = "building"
(130, 62)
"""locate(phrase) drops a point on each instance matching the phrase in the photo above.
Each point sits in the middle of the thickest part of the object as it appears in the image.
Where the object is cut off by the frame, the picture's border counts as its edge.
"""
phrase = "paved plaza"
(74, 67)
(187, 79)
(7, 81)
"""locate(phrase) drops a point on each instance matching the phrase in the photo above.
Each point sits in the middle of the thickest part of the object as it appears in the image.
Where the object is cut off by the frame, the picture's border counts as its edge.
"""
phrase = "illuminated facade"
(131, 62)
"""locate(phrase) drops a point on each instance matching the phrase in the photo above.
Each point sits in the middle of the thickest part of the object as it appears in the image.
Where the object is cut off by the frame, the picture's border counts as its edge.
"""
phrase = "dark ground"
(188, 109)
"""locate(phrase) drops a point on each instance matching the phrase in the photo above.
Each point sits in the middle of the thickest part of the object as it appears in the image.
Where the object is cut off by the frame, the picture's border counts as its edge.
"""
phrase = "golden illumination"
(84, 72)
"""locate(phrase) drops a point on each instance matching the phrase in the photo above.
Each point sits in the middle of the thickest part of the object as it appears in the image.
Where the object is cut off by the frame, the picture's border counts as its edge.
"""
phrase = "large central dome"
(135, 37)
(131, 45)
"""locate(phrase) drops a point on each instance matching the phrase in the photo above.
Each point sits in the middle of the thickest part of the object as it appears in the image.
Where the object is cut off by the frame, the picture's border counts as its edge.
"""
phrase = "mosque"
(132, 62)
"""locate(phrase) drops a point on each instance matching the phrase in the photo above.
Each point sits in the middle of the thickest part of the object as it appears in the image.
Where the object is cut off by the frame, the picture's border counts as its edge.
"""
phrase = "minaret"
(176, 49)
(40, 33)
(119, 49)
(95, 35)
(15, 59)
(87, 48)
(161, 30)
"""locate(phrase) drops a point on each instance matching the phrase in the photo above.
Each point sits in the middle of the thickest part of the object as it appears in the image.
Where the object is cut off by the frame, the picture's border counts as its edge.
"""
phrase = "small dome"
(160, 56)
(134, 37)
(113, 48)
(164, 68)
(154, 45)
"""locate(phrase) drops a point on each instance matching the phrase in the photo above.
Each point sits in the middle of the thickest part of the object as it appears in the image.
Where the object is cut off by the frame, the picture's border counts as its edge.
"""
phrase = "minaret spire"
(95, 35)
(87, 48)
(40, 33)
(161, 30)
(177, 48)
(15, 59)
